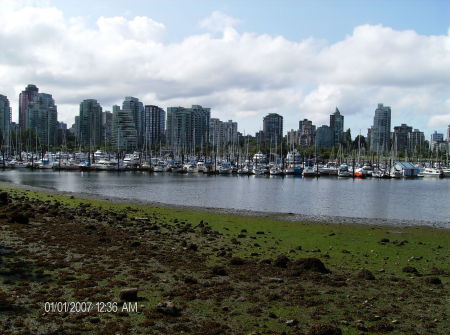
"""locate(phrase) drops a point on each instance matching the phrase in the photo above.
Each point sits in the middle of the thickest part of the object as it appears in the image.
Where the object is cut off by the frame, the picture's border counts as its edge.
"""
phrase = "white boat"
(343, 171)
(225, 168)
(201, 167)
(432, 172)
(276, 171)
(310, 171)
(190, 167)
(44, 163)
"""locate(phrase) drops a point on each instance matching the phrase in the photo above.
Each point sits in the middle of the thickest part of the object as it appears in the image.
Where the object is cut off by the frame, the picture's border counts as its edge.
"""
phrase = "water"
(417, 199)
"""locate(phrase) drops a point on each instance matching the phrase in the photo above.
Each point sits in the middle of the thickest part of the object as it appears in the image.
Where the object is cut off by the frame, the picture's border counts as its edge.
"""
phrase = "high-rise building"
(5, 120)
(222, 133)
(293, 137)
(437, 137)
(61, 133)
(25, 98)
(188, 127)
(381, 129)
(337, 125)
(42, 117)
(90, 124)
(448, 133)
(324, 137)
(230, 132)
(154, 125)
(135, 108)
(107, 127)
(416, 141)
(307, 133)
(400, 137)
(124, 133)
(216, 132)
(273, 128)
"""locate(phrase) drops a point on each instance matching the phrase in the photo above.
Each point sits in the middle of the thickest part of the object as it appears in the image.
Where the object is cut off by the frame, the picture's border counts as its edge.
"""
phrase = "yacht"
(225, 168)
(276, 171)
(432, 172)
(310, 171)
(343, 171)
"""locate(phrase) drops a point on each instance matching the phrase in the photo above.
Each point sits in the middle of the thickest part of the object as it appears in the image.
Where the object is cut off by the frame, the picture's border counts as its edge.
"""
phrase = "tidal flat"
(206, 272)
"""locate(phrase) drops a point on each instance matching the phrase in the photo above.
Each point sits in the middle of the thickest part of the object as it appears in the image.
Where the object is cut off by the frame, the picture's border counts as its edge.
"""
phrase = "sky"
(243, 59)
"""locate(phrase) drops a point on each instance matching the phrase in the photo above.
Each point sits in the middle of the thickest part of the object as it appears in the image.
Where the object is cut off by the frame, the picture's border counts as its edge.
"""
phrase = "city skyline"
(286, 67)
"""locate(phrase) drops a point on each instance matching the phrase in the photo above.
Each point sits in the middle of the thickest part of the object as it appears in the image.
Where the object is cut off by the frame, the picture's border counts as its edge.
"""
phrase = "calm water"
(419, 199)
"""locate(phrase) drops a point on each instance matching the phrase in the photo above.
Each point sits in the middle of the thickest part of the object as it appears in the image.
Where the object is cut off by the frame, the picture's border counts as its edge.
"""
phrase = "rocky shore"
(203, 273)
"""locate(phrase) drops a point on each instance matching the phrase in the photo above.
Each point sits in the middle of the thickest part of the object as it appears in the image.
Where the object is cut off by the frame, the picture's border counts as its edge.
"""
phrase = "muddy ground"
(190, 280)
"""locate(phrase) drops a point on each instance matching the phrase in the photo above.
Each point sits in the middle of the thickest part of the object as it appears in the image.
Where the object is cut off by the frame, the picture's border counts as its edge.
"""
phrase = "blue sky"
(243, 59)
(296, 20)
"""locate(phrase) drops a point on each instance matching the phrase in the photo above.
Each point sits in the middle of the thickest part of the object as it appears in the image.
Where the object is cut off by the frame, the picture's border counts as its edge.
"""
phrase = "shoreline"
(323, 219)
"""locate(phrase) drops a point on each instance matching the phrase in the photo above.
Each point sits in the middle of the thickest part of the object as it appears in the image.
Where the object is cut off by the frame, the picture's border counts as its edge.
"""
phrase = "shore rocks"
(310, 264)
(168, 308)
(237, 261)
(281, 261)
(433, 281)
(219, 271)
(324, 329)
(4, 198)
(19, 218)
(410, 269)
(365, 274)
(129, 294)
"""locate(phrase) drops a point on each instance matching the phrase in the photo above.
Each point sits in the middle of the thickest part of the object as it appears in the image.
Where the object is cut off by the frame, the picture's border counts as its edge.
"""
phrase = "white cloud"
(239, 74)
(219, 22)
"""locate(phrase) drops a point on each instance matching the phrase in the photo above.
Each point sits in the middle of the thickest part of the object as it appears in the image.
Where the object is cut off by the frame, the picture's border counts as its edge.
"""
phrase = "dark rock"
(168, 308)
(381, 327)
(384, 240)
(135, 244)
(365, 274)
(433, 281)
(410, 269)
(260, 233)
(324, 329)
(19, 218)
(237, 261)
(219, 271)
(4, 198)
(190, 280)
(129, 294)
(281, 261)
(311, 264)
(193, 247)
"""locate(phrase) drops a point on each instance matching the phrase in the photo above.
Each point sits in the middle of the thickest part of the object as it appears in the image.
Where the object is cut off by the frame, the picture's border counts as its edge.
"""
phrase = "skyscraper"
(400, 139)
(90, 124)
(124, 133)
(107, 127)
(222, 133)
(324, 137)
(416, 141)
(273, 128)
(25, 98)
(42, 117)
(381, 129)
(5, 120)
(307, 132)
(188, 128)
(135, 109)
(154, 125)
(337, 126)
